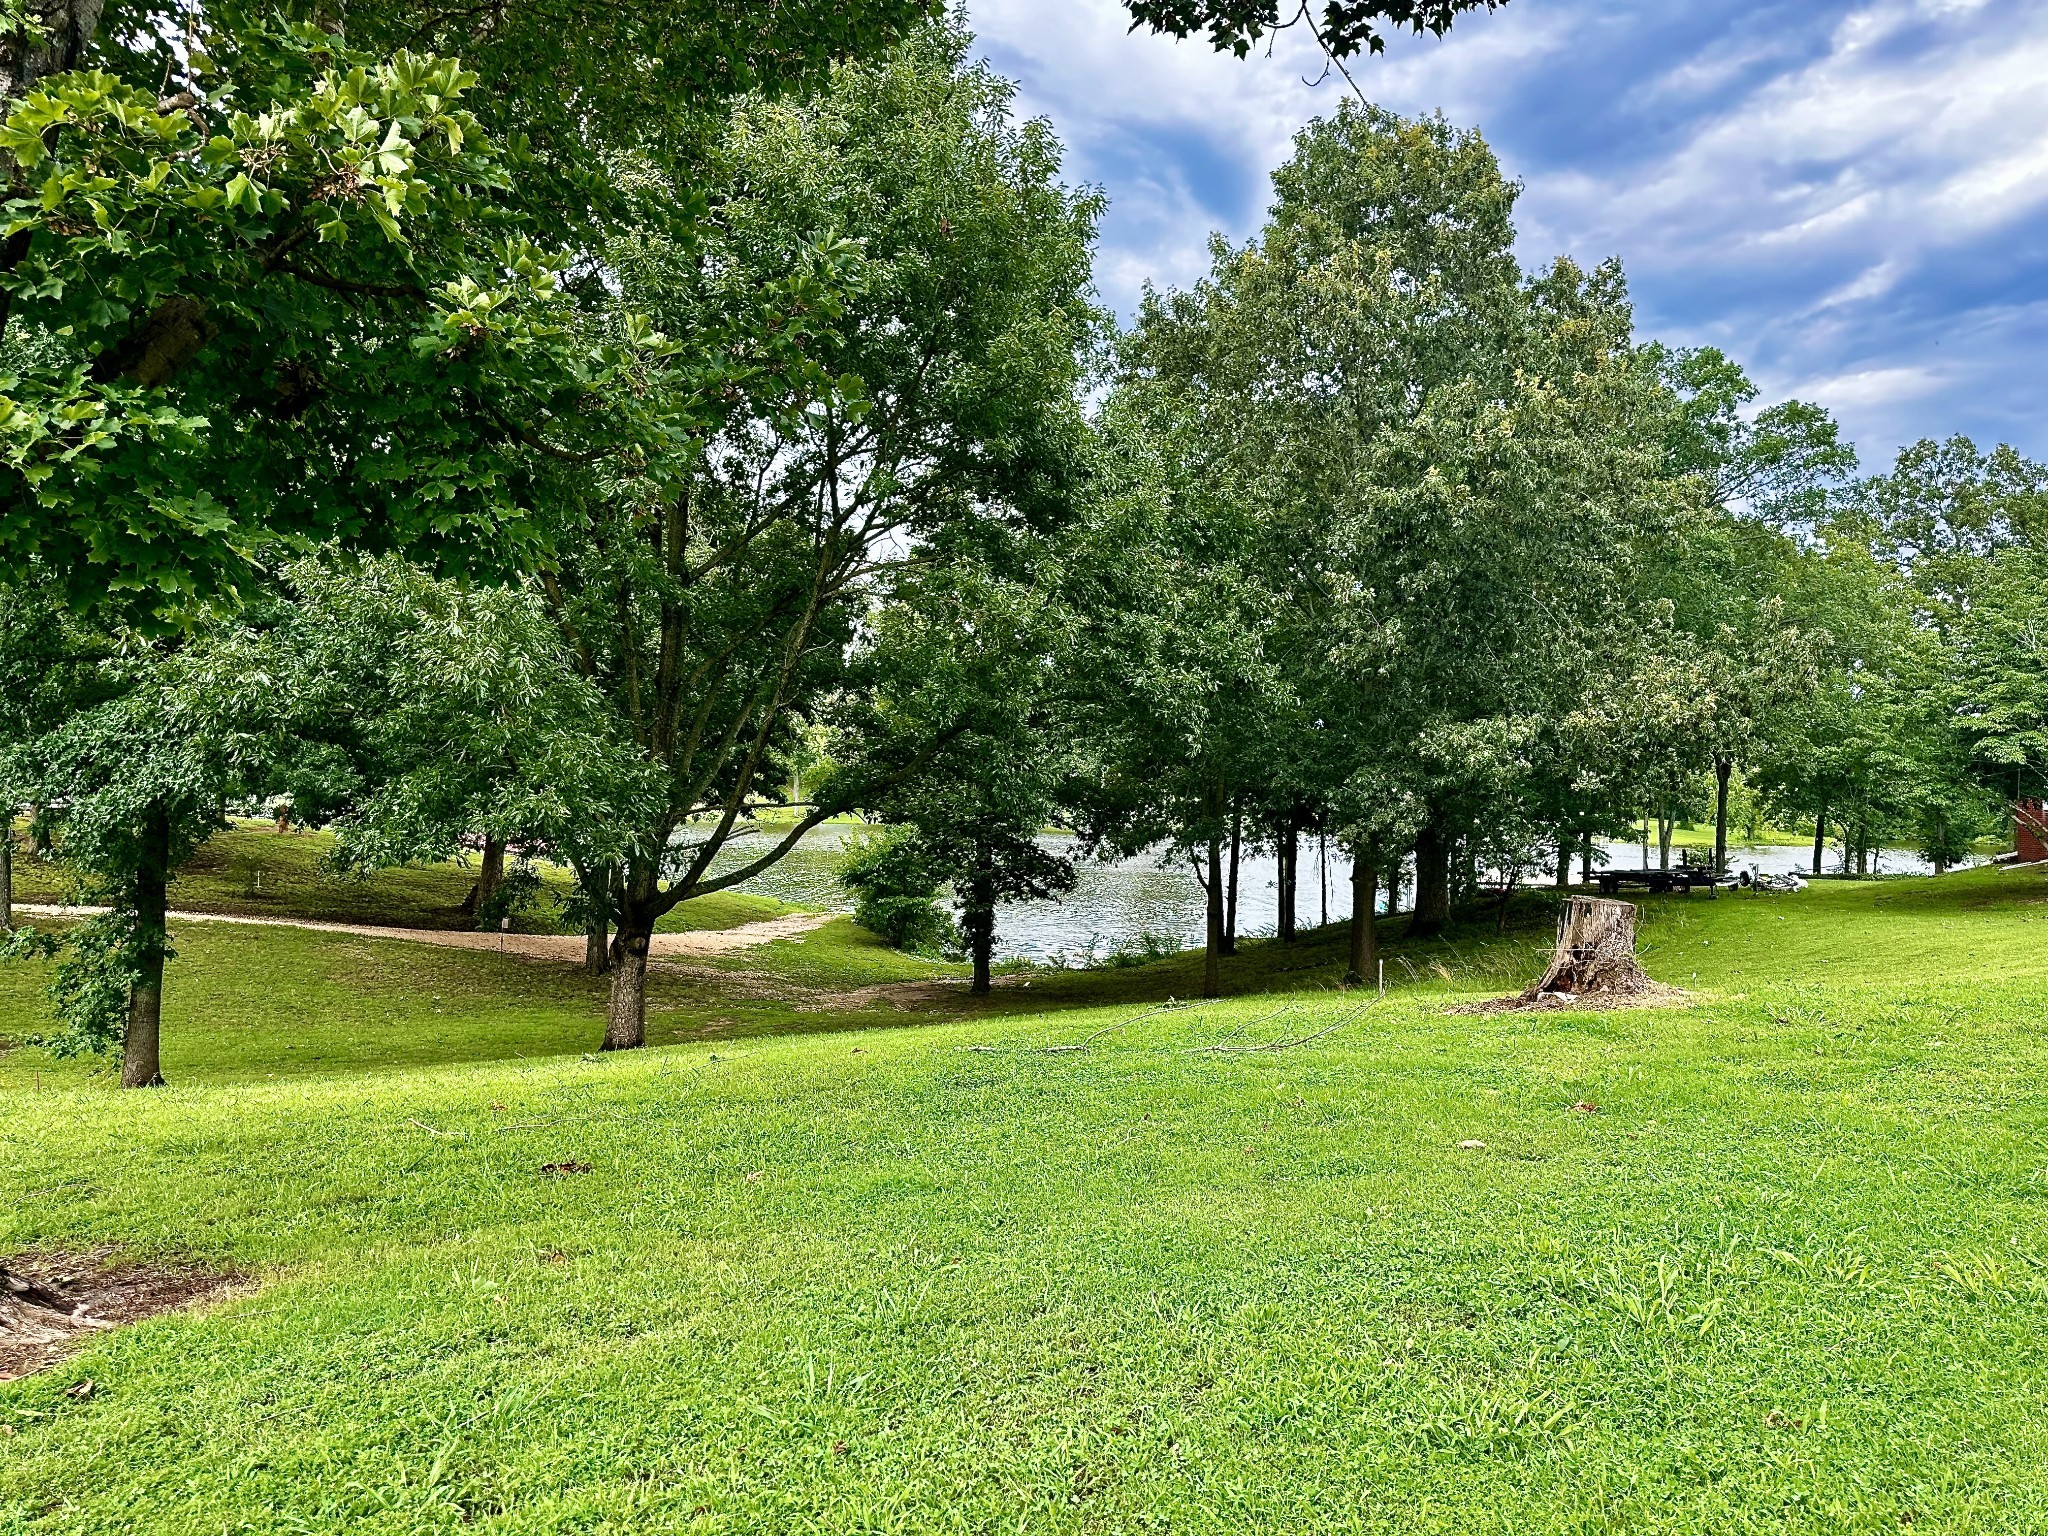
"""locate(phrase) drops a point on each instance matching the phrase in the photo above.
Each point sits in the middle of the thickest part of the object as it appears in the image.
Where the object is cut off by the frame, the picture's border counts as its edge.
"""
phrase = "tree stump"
(31, 1313)
(1596, 951)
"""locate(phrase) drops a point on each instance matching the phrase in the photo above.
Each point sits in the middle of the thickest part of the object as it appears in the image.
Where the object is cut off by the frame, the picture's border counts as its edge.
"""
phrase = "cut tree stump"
(33, 1313)
(1596, 951)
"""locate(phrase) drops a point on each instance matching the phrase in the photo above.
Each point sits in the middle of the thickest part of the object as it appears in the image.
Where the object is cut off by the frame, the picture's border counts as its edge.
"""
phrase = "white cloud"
(1801, 194)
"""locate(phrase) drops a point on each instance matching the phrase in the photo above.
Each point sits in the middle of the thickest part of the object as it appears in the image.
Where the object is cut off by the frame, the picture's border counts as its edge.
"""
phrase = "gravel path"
(535, 946)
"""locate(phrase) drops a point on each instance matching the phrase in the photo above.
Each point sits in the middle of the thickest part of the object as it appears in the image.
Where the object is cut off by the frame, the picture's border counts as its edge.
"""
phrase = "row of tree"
(570, 451)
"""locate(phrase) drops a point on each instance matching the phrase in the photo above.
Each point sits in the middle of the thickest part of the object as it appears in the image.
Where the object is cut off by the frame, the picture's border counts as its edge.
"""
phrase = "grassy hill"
(1772, 1261)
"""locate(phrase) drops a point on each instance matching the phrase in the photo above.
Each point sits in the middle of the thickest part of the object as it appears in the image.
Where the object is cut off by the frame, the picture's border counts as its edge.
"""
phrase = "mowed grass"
(251, 870)
(1789, 1272)
(246, 1003)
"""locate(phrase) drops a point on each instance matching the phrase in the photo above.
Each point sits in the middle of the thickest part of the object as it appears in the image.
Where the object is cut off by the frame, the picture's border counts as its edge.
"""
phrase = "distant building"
(2030, 830)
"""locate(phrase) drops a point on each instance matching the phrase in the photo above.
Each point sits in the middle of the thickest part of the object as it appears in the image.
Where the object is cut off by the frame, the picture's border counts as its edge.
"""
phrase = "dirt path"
(534, 946)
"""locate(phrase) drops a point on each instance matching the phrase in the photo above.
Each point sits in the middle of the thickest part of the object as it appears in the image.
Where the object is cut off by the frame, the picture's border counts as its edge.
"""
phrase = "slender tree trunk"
(1230, 884)
(981, 931)
(1820, 836)
(1395, 875)
(1646, 839)
(1565, 849)
(1212, 949)
(7, 869)
(1323, 877)
(1586, 857)
(1722, 767)
(141, 1065)
(1432, 881)
(600, 884)
(490, 873)
(1365, 895)
(1290, 860)
(1663, 842)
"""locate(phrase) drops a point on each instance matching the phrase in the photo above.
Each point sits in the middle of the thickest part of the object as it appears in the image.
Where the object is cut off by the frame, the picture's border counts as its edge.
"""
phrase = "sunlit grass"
(1788, 1272)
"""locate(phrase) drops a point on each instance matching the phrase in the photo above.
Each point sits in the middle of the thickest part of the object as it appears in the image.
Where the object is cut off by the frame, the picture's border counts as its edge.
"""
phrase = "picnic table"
(1685, 878)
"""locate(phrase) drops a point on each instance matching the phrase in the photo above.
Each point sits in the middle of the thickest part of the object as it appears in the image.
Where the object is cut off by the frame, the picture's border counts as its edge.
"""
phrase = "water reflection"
(1115, 906)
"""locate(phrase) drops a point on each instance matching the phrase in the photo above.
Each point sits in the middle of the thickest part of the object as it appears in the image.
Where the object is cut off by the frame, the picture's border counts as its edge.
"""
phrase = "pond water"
(1116, 906)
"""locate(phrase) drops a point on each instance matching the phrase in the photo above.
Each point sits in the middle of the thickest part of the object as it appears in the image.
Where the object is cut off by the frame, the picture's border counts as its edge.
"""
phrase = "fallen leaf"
(838, 1447)
(80, 1388)
(1586, 1109)
(754, 1177)
(1471, 1146)
(560, 1169)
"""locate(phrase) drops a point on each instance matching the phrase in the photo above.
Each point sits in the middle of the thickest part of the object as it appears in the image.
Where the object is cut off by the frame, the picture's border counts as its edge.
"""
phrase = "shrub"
(896, 893)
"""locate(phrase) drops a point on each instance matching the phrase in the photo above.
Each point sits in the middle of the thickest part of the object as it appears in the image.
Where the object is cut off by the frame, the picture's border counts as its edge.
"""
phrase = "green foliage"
(221, 301)
(1342, 28)
(895, 883)
(98, 964)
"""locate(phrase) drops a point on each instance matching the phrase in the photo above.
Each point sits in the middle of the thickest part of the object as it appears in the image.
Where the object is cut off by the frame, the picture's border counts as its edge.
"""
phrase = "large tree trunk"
(1230, 885)
(625, 1014)
(64, 30)
(51, 38)
(1365, 895)
(1820, 837)
(1432, 881)
(979, 920)
(1290, 862)
(1212, 949)
(597, 945)
(1722, 768)
(141, 1066)
(1596, 950)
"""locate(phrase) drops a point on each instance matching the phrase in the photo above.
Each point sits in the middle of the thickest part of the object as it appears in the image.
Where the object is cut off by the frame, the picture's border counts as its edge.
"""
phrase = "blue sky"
(1850, 196)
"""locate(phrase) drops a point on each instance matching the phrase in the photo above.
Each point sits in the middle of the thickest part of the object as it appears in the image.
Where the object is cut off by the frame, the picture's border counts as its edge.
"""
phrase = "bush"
(896, 893)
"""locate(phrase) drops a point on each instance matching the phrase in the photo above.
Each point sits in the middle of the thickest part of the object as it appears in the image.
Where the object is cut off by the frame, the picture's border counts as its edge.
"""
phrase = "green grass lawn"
(1790, 1275)
(252, 870)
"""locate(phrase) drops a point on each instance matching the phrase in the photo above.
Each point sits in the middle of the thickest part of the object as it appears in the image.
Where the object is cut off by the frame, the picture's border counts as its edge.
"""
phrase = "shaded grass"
(1789, 1275)
(244, 1003)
